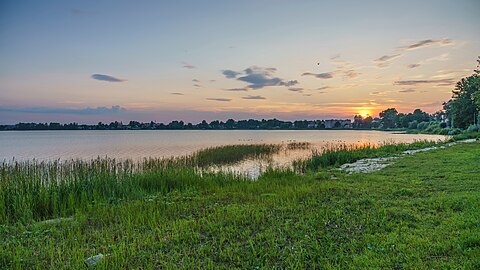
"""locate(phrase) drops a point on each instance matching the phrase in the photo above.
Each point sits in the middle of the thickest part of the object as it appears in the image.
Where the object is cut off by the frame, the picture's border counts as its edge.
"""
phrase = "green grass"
(339, 154)
(419, 213)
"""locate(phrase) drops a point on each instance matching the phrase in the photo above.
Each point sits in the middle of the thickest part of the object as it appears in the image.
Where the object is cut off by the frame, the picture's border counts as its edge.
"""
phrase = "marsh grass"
(338, 154)
(298, 145)
(37, 190)
(229, 154)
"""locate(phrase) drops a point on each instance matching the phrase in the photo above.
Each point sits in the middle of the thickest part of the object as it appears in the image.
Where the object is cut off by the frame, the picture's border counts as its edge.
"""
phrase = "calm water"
(50, 145)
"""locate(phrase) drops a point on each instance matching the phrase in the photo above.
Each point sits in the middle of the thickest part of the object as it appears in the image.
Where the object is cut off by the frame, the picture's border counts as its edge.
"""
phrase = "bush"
(422, 125)
(432, 127)
(473, 128)
(455, 131)
(443, 125)
(444, 131)
(413, 124)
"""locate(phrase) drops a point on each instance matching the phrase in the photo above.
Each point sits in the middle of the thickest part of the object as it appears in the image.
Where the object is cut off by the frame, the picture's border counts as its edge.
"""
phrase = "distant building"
(336, 123)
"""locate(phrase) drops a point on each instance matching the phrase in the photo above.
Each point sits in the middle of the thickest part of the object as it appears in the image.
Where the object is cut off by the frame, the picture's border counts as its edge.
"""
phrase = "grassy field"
(421, 212)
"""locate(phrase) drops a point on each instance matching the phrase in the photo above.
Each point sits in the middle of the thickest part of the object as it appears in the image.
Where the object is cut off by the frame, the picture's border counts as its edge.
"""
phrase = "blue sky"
(91, 61)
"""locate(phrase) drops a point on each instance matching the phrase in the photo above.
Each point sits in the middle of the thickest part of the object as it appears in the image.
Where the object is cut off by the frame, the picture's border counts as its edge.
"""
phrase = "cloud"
(326, 75)
(335, 57)
(407, 91)
(440, 82)
(188, 66)
(426, 43)
(385, 60)
(244, 89)
(306, 95)
(230, 74)
(177, 94)
(84, 111)
(258, 77)
(323, 87)
(253, 97)
(195, 80)
(413, 65)
(298, 89)
(197, 85)
(220, 99)
(107, 78)
(289, 83)
(350, 74)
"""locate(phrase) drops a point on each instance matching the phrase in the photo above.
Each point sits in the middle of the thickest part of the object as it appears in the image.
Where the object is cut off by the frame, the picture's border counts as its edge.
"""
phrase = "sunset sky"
(90, 61)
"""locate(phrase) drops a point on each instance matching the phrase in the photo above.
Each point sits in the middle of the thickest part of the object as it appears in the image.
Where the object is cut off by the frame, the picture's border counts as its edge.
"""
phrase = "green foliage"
(389, 118)
(463, 107)
(422, 125)
(473, 128)
(413, 124)
(454, 131)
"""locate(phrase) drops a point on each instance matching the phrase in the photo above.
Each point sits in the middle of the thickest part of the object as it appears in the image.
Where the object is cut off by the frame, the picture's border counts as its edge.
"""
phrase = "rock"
(411, 152)
(94, 260)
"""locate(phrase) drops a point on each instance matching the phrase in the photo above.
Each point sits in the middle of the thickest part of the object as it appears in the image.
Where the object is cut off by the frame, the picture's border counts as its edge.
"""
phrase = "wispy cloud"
(335, 57)
(413, 65)
(297, 89)
(243, 89)
(195, 80)
(385, 60)
(188, 66)
(407, 90)
(440, 82)
(253, 97)
(258, 77)
(426, 43)
(323, 87)
(177, 94)
(325, 75)
(220, 99)
(107, 78)
(344, 69)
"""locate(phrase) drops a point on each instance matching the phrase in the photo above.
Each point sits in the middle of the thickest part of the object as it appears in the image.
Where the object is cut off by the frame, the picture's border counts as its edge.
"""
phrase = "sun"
(364, 113)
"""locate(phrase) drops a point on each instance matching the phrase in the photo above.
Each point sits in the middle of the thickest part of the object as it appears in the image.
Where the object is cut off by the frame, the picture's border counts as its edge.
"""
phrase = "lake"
(138, 144)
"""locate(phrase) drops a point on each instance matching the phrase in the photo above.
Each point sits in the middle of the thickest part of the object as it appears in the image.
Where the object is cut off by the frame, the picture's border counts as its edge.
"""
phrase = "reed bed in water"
(228, 154)
(38, 190)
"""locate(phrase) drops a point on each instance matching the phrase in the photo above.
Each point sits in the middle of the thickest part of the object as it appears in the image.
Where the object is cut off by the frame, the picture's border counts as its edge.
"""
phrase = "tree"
(389, 118)
(462, 109)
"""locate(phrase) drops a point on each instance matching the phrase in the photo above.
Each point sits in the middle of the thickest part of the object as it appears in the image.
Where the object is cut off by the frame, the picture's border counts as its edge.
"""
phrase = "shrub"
(432, 127)
(443, 125)
(455, 131)
(473, 128)
(444, 131)
(422, 125)
(413, 124)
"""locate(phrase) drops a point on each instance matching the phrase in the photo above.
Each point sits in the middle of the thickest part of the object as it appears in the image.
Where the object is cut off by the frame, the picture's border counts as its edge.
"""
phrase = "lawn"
(422, 212)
